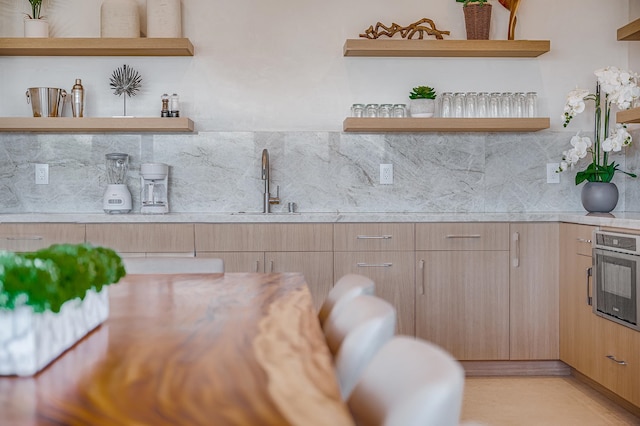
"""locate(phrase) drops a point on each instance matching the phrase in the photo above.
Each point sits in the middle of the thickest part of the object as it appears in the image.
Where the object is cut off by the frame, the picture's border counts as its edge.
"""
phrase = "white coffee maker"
(117, 198)
(153, 188)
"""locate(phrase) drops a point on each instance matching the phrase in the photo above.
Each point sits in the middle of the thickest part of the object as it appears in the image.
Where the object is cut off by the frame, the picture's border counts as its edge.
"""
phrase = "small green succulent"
(422, 92)
(466, 2)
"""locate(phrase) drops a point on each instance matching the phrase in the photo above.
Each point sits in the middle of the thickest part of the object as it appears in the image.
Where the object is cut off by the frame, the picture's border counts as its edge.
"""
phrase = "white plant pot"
(36, 28)
(423, 108)
(29, 341)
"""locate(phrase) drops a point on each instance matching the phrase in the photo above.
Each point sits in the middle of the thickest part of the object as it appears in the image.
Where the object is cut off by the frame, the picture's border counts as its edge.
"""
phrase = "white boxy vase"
(29, 341)
(422, 108)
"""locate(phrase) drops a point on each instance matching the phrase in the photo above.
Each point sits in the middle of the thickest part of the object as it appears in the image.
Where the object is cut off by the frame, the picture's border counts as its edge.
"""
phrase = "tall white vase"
(36, 28)
(119, 18)
(164, 18)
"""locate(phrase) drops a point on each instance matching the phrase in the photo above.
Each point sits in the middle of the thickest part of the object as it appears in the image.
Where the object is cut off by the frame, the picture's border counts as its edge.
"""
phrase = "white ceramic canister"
(119, 18)
(164, 19)
(36, 28)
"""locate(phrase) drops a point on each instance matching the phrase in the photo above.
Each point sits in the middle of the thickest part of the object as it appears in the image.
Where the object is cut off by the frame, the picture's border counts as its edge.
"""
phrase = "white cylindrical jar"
(164, 19)
(119, 18)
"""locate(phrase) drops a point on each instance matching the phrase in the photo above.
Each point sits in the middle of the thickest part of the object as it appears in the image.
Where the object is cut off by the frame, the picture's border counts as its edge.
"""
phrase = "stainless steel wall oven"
(616, 258)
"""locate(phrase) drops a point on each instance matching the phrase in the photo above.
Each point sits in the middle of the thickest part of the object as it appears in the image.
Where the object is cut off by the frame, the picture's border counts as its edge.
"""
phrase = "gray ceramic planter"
(599, 197)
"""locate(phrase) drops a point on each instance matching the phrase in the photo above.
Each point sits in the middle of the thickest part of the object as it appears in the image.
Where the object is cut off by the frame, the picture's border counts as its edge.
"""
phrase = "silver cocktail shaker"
(77, 99)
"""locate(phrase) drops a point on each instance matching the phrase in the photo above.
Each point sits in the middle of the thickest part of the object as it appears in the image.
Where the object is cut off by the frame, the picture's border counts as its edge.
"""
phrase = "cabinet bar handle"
(516, 240)
(34, 238)
(619, 362)
(463, 236)
(589, 275)
(257, 266)
(374, 237)
(583, 240)
(422, 271)
(374, 265)
(271, 266)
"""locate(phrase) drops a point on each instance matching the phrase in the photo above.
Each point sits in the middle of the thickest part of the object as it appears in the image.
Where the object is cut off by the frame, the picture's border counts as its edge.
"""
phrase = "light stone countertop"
(621, 220)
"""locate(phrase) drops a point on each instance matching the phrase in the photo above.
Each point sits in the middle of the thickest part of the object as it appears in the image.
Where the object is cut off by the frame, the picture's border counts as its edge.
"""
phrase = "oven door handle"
(589, 275)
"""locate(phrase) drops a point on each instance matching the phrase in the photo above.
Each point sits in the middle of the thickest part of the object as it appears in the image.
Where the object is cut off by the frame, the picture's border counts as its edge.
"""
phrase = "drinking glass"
(385, 110)
(519, 105)
(400, 110)
(357, 110)
(532, 104)
(506, 100)
(494, 105)
(371, 110)
(482, 105)
(458, 104)
(445, 105)
(470, 104)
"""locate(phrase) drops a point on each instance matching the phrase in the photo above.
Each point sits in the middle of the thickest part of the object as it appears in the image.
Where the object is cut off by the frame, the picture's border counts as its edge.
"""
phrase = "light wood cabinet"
(533, 291)
(383, 252)
(462, 286)
(227, 237)
(577, 321)
(462, 302)
(140, 239)
(317, 268)
(256, 247)
(392, 272)
(22, 237)
(618, 359)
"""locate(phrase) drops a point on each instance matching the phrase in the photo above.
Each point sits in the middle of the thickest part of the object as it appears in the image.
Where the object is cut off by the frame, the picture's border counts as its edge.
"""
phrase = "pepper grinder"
(165, 106)
(77, 99)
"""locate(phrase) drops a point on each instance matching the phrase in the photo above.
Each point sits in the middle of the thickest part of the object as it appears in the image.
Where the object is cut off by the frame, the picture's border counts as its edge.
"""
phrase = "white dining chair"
(355, 334)
(173, 265)
(409, 382)
(346, 288)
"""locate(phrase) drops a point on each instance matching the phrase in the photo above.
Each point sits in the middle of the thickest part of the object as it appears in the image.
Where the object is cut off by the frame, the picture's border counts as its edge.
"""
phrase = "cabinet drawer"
(143, 237)
(580, 239)
(373, 236)
(29, 237)
(462, 236)
(618, 358)
(264, 237)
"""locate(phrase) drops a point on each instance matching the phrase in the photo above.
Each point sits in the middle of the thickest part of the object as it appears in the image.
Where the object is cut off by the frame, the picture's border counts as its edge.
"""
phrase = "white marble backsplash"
(319, 171)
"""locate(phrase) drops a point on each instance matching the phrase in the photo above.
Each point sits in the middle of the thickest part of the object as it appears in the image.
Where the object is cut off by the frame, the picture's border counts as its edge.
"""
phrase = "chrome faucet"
(267, 198)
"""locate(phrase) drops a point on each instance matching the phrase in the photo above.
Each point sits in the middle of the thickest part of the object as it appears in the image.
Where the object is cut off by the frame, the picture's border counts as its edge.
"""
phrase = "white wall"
(278, 65)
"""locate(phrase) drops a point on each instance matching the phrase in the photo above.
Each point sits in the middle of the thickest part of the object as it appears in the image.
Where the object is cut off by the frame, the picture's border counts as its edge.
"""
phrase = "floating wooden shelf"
(446, 48)
(96, 124)
(631, 31)
(96, 47)
(628, 116)
(374, 125)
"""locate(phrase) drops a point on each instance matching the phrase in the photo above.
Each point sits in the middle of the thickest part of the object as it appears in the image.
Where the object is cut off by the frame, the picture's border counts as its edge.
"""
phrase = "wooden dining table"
(190, 349)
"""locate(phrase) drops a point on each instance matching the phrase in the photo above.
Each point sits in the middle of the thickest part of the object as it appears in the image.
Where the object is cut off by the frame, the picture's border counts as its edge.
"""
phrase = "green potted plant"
(34, 24)
(613, 87)
(422, 101)
(477, 18)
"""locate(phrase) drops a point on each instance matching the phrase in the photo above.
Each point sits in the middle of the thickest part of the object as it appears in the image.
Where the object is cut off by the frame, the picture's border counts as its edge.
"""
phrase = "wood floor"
(538, 401)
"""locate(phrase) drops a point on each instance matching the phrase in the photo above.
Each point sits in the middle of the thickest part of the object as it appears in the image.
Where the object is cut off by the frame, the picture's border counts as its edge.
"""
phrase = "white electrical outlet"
(42, 174)
(552, 176)
(386, 174)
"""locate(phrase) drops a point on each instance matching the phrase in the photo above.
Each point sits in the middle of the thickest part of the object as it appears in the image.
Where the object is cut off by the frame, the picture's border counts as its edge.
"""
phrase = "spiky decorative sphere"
(125, 80)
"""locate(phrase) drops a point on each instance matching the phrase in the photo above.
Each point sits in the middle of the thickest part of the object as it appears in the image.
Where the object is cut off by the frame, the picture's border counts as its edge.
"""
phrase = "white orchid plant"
(620, 89)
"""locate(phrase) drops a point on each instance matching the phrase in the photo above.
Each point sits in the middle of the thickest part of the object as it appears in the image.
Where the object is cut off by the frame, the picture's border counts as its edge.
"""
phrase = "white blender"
(153, 188)
(117, 198)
